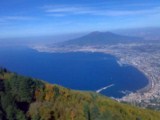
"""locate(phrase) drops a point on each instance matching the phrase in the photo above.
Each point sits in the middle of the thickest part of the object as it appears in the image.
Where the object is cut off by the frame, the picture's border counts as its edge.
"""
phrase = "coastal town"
(144, 56)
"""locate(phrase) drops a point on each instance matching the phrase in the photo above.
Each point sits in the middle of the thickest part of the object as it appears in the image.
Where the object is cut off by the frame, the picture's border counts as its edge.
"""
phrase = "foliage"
(23, 98)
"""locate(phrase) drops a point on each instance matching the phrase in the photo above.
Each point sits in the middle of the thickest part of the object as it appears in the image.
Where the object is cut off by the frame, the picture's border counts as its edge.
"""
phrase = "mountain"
(24, 98)
(149, 33)
(101, 38)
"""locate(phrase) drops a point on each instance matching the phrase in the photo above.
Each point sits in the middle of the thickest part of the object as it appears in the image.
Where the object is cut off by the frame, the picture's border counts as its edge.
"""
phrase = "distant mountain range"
(101, 38)
(150, 33)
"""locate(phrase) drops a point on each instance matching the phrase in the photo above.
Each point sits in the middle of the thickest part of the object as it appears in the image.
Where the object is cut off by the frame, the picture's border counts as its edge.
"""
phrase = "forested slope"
(23, 98)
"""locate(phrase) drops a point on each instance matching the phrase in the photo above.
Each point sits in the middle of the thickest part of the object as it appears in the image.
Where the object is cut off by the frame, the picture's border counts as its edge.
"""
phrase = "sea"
(86, 71)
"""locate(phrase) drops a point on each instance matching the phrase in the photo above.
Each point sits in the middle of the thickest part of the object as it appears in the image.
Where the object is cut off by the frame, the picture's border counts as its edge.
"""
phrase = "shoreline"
(144, 94)
(147, 87)
(121, 62)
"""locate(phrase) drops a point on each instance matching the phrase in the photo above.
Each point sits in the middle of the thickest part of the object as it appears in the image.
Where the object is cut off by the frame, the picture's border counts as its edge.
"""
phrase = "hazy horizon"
(45, 18)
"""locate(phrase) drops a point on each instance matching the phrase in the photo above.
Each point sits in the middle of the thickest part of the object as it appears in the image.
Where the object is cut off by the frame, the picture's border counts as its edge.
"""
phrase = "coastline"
(118, 60)
(143, 95)
(147, 87)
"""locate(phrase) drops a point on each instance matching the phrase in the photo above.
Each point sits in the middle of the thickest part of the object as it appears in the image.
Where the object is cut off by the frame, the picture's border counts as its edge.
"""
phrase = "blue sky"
(20, 18)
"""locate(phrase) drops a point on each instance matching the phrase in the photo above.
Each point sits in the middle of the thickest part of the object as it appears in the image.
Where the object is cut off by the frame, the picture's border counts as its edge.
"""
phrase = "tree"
(1, 85)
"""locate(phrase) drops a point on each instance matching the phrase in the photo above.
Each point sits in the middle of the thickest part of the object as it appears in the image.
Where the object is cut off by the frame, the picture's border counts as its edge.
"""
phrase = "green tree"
(20, 115)
(1, 85)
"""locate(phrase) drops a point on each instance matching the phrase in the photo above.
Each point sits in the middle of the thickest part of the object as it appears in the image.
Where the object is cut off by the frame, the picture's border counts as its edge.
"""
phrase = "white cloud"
(57, 15)
(66, 9)
(80, 10)
(5, 19)
(17, 18)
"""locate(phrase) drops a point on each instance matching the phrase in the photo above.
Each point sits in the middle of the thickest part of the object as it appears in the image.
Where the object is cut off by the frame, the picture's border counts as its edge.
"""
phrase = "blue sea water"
(75, 70)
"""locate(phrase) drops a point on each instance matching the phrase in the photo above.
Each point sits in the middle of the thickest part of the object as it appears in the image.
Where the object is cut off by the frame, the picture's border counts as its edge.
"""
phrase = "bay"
(75, 70)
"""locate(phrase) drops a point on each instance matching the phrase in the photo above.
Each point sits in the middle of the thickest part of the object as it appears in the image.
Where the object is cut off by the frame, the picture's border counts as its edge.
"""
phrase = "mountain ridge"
(101, 38)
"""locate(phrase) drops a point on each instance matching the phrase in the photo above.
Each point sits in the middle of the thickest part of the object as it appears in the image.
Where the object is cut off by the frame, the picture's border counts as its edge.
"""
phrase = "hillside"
(23, 98)
(101, 38)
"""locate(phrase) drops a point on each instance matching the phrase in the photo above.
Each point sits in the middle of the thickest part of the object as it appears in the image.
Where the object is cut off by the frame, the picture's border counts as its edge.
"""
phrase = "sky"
(20, 18)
